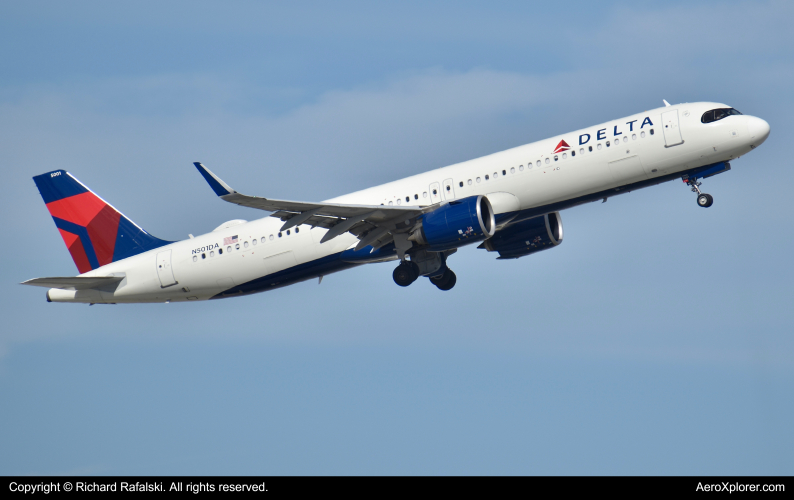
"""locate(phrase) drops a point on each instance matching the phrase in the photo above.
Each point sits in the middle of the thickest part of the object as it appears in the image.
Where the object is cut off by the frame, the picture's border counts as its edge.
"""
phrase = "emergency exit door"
(672, 132)
(435, 194)
(449, 190)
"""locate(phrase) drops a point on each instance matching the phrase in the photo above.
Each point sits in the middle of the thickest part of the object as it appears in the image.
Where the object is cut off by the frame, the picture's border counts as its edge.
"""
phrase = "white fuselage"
(617, 153)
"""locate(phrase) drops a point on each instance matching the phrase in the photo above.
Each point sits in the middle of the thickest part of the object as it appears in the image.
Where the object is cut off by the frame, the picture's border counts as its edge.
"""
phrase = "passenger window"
(287, 232)
(279, 234)
(504, 172)
(590, 148)
(599, 146)
(391, 203)
(539, 162)
(564, 156)
(195, 258)
(521, 167)
(297, 230)
(633, 137)
(237, 246)
(461, 183)
(203, 256)
(556, 158)
(548, 161)
(642, 134)
(573, 153)
(220, 251)
(229, 249)
(581, 151)
(407, 199)
(512, 170)
(607, 143)
(435, 192)
(495, 175)
(651, 131)
(449, 188)
(245, 244)
(416, 196)
(212, 253)
(254, 241)
(486, 177)
(625, 139)
(399, 201)
(478, 179)
(468, 182)
(424, 194)
(271, 237)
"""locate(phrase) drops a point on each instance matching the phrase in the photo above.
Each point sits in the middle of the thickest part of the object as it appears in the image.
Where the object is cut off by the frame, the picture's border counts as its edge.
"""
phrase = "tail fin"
(95, 233)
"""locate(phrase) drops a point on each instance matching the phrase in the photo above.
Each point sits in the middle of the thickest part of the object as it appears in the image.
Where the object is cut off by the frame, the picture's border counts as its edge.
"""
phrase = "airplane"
(507, 202)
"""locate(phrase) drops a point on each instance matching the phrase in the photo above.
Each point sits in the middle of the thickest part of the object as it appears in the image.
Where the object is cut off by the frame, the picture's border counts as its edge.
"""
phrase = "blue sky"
(657, 339)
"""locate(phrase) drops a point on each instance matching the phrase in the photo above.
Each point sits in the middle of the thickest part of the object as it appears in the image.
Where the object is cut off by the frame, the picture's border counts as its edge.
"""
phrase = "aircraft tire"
(705, 200)
(406, 273)
(446, 281)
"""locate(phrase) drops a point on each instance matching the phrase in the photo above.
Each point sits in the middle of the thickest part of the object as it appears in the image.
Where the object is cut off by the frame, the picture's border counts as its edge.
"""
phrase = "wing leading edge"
(373, 225)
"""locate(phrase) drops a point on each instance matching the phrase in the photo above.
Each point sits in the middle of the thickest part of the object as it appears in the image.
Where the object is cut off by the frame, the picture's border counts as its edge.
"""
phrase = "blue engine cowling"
(526, 237)
(455, 224)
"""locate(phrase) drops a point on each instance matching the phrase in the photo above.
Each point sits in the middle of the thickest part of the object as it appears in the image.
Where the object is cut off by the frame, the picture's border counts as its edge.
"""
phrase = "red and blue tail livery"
(95, 233)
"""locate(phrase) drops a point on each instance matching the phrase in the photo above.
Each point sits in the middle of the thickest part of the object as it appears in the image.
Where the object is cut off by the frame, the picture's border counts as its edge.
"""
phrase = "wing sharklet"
(215, 182)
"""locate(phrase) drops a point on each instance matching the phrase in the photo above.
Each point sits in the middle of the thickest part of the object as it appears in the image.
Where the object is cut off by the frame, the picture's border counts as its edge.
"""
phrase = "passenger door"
(672, 132)
(164, 270)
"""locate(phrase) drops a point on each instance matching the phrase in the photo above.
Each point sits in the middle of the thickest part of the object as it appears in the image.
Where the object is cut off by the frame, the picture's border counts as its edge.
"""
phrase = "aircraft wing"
(373, 224)
(75, 282)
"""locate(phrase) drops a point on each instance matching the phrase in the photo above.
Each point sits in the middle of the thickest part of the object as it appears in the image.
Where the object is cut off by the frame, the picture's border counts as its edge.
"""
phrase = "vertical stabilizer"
(95, 233)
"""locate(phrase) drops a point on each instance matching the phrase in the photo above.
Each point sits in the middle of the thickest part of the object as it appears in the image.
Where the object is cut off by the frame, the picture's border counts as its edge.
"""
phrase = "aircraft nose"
(758, 130)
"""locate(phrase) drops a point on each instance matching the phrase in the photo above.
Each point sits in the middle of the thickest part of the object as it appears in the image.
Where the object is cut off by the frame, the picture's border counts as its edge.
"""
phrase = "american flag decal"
(230, 240)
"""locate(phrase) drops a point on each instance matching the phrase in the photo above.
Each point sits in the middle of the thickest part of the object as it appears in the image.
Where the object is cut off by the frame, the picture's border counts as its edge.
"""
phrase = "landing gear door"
(164, 270)
(449, 190)
(435, 193)
(672, 132)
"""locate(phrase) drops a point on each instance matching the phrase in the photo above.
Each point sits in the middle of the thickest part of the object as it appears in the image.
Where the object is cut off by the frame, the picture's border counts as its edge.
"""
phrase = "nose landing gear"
(704, 200)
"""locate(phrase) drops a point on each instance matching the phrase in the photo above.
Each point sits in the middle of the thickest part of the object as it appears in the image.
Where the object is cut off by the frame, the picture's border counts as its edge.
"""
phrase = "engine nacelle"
(455, 224)
(527, 237)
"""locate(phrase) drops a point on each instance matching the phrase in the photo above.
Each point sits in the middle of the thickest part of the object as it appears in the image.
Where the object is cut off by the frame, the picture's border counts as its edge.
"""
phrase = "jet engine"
(526, 237)
(455, 224)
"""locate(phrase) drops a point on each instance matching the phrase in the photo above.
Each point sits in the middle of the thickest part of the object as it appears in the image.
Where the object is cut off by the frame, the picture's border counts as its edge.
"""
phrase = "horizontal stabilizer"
(75, 282)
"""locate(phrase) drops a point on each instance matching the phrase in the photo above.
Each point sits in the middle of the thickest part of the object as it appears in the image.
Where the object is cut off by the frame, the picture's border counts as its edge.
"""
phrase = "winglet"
(217, 185)
(666, 104)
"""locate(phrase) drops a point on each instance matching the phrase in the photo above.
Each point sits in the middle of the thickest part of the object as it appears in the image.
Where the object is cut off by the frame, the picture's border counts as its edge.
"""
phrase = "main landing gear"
(408, 272)
(704, 200)
(446, 281)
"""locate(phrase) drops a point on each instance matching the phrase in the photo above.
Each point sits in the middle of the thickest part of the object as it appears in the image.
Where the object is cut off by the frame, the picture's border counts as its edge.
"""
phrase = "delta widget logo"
(562, 146)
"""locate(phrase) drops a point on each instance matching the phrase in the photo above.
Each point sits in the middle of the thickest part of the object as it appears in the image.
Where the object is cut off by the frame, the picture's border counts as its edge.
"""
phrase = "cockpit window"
(718, 114)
